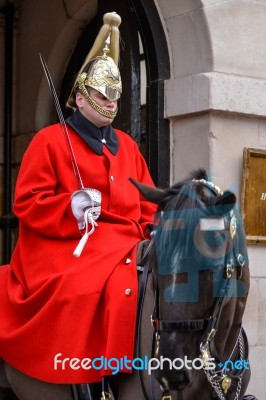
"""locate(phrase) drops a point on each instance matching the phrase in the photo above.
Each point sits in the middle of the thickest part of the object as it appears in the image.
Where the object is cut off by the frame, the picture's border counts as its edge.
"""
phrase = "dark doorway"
(141, 27)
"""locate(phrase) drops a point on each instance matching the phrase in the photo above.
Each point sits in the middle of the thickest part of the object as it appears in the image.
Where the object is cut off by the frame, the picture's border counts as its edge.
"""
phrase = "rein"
(144, 267)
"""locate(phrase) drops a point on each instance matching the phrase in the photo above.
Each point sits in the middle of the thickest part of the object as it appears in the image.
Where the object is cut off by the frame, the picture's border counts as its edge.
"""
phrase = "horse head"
(200, 264)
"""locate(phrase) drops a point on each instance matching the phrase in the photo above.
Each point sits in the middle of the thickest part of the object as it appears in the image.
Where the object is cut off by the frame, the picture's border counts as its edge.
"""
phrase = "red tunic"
(52, 302)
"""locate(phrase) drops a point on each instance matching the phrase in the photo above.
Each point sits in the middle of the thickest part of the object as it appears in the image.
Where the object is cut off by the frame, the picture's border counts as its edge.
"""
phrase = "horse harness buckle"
(106, 396)
(229, 269)
(225, 383)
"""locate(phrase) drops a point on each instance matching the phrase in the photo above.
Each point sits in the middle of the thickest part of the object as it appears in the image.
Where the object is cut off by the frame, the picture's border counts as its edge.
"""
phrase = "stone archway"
(62, 45)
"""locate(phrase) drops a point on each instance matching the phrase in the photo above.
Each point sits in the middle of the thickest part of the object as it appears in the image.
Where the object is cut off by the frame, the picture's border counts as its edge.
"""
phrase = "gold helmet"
(100, 68)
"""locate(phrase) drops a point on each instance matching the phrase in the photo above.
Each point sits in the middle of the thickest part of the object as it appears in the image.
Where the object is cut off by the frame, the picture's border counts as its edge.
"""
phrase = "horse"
(193, 282)
(200, 263)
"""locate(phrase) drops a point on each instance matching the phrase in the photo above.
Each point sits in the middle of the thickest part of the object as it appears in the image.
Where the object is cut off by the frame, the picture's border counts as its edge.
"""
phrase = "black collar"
(93, 136)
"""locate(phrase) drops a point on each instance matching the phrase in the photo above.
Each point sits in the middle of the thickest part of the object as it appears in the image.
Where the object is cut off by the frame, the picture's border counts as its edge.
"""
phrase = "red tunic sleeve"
(37, 202)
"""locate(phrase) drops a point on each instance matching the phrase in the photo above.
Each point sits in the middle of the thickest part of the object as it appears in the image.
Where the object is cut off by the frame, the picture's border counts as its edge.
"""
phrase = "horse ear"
(150, 193)
(225, 202)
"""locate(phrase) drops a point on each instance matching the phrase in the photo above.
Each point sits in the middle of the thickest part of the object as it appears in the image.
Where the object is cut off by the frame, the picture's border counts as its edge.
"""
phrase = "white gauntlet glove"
(86, 207)
(85, 199)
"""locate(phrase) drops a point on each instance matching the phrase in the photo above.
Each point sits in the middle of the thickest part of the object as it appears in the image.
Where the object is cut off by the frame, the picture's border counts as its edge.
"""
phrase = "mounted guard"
(59, 310)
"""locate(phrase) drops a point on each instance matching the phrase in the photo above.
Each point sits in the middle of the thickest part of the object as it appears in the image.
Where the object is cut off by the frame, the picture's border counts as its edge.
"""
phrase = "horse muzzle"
(175, 379)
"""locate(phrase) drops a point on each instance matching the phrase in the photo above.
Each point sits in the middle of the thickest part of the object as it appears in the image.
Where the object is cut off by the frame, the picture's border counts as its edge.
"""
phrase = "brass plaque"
(253, 197)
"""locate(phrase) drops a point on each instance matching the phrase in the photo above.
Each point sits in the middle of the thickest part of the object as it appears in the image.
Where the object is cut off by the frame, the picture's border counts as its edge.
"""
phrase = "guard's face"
(91, 112)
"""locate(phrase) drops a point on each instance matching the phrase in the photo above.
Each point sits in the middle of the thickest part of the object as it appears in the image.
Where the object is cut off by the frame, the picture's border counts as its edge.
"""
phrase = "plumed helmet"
(100, 68)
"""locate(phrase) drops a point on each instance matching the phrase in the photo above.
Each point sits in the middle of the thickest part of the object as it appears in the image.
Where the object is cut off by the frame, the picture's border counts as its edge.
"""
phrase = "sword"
(62, 123)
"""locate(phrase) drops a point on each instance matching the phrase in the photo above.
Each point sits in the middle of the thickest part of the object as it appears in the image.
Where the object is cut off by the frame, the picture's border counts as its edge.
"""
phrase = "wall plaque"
(253, 196)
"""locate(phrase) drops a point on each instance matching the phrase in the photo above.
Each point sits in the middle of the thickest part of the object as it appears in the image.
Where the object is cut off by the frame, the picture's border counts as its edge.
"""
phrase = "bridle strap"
(185, 325)
(215, 316)
(143, 267)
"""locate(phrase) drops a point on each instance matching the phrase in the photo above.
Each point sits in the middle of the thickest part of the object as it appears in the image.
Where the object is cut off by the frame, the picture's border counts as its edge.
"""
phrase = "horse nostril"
(182, 378)
(177, 380)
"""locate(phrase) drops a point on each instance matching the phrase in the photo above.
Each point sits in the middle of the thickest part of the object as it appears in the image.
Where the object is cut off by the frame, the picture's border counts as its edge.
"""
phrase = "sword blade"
(62, 122)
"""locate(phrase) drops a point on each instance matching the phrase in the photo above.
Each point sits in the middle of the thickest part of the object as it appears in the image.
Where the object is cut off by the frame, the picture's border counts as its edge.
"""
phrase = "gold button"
(128, 260)
(112, 178)
(128, 292)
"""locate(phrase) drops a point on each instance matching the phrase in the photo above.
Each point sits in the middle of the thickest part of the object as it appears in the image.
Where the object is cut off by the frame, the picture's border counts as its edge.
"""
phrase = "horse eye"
(214, 238)
(158, 218)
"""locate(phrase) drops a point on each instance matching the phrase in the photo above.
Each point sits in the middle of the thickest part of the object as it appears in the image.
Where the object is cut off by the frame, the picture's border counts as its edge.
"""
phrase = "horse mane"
(188, 186)
(183, 206)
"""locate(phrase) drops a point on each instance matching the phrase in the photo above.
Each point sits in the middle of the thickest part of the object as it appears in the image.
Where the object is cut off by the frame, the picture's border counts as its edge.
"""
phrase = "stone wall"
(216, 102)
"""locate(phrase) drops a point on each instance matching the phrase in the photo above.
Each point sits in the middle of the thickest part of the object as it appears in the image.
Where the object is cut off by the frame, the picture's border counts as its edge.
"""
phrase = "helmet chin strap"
(92, 102)
(99, 109)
